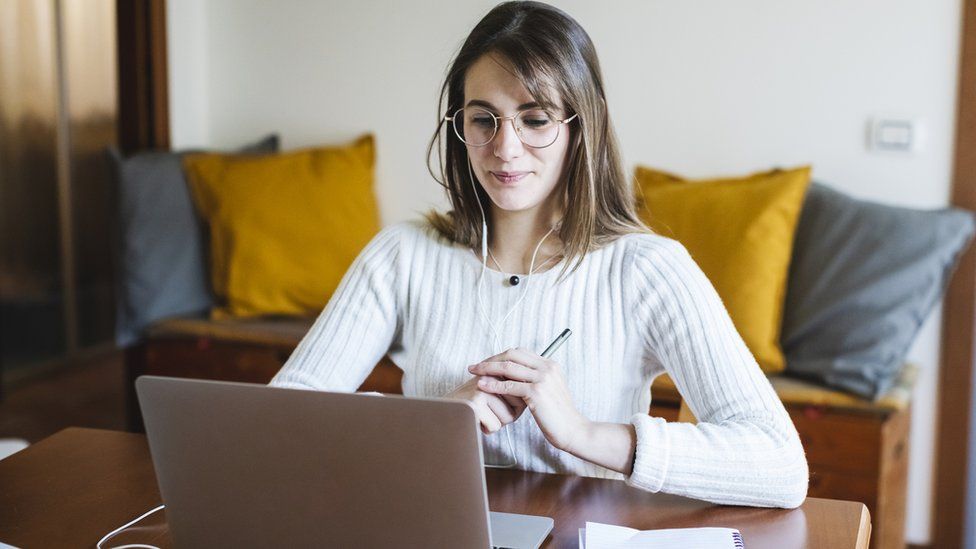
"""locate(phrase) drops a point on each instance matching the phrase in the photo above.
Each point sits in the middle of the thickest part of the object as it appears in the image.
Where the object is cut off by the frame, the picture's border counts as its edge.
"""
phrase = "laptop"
(245, 465)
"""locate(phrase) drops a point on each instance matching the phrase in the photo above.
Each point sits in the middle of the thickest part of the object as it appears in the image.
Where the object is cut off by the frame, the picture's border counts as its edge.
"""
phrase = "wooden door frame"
(143, 80)
(956, 375)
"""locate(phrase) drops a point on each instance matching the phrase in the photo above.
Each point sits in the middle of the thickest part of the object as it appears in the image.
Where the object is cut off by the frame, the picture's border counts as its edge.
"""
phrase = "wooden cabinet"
(854, 454)
(860, 457)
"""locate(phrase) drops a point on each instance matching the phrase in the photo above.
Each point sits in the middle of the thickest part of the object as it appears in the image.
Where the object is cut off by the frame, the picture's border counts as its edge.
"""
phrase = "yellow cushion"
(284, 228)
(740, 232)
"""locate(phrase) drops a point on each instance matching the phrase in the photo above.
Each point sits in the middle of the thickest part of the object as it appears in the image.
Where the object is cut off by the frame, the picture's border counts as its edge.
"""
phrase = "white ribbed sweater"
(638, 308)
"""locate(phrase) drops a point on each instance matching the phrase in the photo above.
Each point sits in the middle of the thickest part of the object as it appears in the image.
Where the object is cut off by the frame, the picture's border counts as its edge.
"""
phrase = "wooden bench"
(857, 450)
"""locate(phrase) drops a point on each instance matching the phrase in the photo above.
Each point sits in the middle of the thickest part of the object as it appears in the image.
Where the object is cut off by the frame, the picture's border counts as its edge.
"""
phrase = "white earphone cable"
(481, 306)
(111, 534)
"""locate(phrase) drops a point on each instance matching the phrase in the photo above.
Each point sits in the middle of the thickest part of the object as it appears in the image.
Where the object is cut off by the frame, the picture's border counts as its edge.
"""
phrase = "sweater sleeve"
(357, 326)
(745, 449)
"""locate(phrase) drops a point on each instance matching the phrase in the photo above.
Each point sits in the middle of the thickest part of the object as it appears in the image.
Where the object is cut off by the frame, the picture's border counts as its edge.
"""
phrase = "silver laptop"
(244, 465)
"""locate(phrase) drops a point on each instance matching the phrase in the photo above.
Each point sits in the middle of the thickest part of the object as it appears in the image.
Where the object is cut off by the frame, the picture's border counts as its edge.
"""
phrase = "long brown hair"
(549, 52)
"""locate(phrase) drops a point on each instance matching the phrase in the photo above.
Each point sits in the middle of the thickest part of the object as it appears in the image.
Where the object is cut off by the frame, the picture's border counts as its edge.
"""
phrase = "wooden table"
(70, 489)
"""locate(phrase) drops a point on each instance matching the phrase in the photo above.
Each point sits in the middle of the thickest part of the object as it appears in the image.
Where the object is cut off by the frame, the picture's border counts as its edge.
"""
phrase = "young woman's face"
(538, 172)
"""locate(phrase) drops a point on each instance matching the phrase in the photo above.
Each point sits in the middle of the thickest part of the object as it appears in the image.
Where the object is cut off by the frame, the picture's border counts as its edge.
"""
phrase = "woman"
(531, 167)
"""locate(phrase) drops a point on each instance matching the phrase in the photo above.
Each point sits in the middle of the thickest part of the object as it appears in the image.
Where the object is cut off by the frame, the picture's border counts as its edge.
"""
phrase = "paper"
(607, 536)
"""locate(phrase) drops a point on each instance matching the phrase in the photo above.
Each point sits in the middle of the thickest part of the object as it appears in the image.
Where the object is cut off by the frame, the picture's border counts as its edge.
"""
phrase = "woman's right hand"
(493, 411)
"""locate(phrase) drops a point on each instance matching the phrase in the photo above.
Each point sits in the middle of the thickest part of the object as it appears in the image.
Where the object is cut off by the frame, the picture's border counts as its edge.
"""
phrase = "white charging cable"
(123, 527)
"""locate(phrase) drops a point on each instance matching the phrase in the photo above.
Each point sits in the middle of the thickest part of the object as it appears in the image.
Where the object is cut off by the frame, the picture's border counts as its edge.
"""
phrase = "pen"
(560, 339)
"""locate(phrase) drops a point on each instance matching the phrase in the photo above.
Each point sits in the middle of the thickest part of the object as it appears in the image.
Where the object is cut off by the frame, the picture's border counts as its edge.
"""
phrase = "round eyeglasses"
(536, 128)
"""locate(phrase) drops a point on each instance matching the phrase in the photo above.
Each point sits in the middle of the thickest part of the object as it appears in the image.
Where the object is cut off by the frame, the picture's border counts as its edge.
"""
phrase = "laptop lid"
(249, 465)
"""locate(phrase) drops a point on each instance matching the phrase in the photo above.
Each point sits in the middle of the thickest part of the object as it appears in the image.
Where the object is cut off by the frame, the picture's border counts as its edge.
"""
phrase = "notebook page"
(606, 536)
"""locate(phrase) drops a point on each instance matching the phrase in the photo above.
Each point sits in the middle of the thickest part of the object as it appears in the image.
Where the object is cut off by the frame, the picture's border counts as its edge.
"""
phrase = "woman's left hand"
(540, 383)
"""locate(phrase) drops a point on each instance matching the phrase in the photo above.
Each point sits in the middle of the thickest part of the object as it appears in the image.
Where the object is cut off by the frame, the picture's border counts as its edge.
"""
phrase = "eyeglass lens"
(535, 127)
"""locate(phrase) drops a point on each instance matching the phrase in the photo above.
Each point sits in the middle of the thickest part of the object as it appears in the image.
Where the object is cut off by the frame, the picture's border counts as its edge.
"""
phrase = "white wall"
(700, 88)
(188, 55)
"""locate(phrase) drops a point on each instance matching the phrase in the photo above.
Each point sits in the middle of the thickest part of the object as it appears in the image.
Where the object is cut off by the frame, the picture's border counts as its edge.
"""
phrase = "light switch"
(894, 134)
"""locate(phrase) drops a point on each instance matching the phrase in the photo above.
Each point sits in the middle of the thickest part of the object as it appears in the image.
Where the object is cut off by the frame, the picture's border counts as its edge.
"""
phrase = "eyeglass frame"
(514, 127)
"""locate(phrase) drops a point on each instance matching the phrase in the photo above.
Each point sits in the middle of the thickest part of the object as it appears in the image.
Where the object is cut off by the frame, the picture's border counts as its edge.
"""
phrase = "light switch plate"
(895, 134)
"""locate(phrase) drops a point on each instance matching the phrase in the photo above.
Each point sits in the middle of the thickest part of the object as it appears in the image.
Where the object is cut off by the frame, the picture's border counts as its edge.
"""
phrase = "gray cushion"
(863, 278)
(160, 247)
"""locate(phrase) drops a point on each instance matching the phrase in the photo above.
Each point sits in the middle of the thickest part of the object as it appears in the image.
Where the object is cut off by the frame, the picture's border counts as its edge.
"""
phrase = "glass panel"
(90, 70)
(31, 308)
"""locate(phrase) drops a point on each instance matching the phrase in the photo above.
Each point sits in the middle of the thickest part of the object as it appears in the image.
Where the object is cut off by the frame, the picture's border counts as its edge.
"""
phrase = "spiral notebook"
(607, 536)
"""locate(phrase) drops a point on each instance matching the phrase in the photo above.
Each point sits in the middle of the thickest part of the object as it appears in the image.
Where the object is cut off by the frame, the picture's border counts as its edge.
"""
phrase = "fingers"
(506, 387)
(501, 409)
(489, 421)
(517, 404)
(509, 376)
(523, 357)
(526, 358)
(505, 369)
